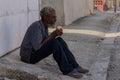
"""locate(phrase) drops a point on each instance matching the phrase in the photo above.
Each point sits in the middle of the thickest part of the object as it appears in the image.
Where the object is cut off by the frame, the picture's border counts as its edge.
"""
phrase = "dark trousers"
(61, 54)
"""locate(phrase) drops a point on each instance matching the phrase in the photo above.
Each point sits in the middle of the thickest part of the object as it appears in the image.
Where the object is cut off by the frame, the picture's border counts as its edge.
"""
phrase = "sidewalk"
(114, 63)
(83, 37)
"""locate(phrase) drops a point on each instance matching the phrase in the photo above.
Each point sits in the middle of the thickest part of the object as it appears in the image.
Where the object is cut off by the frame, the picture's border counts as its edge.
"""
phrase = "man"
(37, 45)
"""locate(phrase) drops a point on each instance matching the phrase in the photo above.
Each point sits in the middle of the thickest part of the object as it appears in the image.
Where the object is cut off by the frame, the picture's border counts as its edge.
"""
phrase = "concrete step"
(47, 69)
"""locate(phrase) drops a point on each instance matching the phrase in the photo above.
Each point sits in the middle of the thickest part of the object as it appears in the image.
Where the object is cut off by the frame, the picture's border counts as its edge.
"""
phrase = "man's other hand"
(57, 32)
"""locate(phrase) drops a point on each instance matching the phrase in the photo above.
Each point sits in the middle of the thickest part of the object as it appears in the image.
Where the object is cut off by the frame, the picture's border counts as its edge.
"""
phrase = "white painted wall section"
(75, 9)
(15, 17)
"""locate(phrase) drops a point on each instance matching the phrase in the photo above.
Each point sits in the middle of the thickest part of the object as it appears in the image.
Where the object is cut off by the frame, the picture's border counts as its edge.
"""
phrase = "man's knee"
(59, 38)
(56, 42)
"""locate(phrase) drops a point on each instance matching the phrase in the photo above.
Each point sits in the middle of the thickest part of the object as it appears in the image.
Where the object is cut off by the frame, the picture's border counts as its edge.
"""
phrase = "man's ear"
(47, 19)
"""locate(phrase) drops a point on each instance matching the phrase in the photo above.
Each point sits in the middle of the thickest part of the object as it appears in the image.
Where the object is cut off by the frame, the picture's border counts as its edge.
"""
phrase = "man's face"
(52, 18)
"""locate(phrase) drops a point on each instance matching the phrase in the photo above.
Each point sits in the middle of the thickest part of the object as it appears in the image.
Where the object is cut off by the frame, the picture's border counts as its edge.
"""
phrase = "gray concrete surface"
(84, 38)
(101, 69)
(114, 65)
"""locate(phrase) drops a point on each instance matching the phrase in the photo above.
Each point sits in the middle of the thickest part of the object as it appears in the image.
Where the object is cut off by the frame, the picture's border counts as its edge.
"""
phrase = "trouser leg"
(61, 58)
(42, 53)
(68, 53)
(53, 46)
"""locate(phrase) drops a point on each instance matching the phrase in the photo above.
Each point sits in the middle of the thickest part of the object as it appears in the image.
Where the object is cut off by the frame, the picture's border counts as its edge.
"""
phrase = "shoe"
(82, 70)
(75, 74)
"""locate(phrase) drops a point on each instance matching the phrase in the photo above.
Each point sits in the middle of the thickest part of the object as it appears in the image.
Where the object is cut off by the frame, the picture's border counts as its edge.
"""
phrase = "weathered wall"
(15, 16)
(69, 10)
(109, 4)
(75, 9)
(91, 6)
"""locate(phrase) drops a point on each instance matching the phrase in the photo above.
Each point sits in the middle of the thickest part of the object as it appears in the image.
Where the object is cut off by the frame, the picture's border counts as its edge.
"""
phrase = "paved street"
(114, 65)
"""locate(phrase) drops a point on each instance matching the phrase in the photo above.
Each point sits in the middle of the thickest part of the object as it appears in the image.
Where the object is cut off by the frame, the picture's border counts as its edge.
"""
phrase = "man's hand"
(57, 32)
